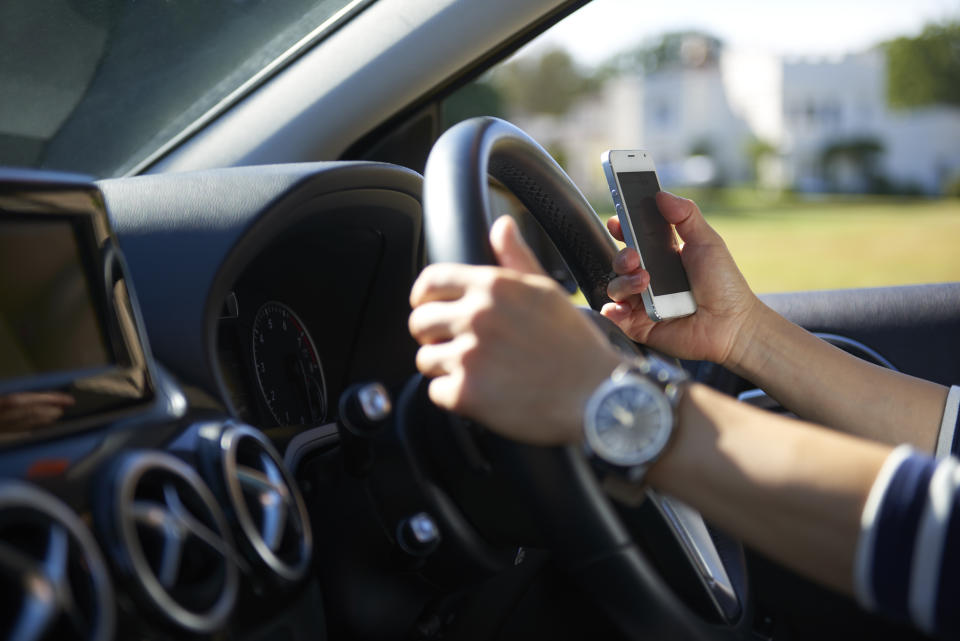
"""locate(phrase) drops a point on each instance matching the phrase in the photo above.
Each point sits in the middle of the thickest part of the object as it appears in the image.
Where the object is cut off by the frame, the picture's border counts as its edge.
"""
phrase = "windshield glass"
(98, 86)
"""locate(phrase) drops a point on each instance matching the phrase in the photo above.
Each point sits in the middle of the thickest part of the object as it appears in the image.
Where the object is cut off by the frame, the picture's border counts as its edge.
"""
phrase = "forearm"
(824, 384)
(794, 491)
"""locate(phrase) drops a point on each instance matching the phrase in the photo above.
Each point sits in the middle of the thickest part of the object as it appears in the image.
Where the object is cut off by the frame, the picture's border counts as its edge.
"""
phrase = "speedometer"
(287, 367)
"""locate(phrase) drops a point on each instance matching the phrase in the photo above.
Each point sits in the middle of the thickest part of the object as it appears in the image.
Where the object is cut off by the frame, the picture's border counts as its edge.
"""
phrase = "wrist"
(749, 352)
(687, 438)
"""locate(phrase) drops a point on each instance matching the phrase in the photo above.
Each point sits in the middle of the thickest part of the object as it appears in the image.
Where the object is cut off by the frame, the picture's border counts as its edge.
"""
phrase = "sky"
(785, 27)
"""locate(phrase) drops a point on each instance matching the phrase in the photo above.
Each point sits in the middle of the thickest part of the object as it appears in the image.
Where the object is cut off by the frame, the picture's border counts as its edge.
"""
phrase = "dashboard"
(215, 319)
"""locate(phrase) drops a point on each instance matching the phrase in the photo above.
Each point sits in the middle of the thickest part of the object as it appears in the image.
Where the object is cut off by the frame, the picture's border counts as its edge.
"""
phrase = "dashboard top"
(189, 238)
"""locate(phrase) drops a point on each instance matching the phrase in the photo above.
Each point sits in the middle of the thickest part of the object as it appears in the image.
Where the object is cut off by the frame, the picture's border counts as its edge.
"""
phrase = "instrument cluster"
(270, 363)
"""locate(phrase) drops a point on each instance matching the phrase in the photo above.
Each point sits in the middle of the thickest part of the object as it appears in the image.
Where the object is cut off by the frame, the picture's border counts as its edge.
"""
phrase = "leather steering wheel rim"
(594, 546)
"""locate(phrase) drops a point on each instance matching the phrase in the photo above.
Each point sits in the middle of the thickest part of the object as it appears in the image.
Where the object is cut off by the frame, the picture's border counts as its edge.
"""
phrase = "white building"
(720, 105)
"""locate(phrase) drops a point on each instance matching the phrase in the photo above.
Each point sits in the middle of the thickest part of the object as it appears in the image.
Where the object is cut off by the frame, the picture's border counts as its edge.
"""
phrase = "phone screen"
(656, 240)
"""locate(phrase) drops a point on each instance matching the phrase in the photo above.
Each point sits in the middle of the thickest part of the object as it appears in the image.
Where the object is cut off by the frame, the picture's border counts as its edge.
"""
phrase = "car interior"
(242, 447)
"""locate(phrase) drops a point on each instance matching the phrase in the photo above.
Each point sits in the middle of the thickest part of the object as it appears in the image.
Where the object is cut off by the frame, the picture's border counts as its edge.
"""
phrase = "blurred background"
(822, 139)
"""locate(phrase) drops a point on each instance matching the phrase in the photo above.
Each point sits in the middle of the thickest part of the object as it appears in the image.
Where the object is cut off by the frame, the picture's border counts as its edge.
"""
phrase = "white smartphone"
(634, 185)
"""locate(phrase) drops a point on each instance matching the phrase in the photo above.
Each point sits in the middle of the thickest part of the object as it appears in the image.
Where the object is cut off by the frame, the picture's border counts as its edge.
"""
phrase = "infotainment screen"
(49, 319)
(72, 351)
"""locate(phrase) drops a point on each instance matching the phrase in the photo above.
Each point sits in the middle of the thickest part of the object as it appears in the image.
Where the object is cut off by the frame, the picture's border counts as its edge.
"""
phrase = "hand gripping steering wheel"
(585, 532)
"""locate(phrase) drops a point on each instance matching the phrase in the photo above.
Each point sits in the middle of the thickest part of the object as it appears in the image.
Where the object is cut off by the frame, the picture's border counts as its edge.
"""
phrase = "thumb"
(511, 250)
(686, 217)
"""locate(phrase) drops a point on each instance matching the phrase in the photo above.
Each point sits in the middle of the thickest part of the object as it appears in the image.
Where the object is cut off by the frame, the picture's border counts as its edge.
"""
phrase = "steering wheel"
(587, 536)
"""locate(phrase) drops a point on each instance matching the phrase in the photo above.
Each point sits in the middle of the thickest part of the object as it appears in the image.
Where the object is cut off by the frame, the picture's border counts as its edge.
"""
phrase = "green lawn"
(837, 242)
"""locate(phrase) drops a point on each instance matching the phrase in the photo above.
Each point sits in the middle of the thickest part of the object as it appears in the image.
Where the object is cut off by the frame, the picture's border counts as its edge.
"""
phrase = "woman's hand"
(727, 311)
(505, 346)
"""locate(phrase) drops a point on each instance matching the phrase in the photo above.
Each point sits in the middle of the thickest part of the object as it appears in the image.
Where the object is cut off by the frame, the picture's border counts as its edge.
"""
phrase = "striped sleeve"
(947, 441)
(907, 563)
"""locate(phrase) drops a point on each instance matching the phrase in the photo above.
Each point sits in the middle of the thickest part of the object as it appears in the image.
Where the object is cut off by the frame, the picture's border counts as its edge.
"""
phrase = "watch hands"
(623, 415)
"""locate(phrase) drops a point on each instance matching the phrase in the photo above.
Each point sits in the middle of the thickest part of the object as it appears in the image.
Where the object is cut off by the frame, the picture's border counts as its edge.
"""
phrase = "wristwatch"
(629, 419)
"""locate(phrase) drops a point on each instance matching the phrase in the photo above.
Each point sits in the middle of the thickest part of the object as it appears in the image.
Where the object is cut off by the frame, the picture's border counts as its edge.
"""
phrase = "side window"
(825, 159)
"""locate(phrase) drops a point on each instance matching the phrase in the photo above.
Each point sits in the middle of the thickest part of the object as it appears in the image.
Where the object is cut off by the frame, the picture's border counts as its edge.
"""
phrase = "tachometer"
(287, 367)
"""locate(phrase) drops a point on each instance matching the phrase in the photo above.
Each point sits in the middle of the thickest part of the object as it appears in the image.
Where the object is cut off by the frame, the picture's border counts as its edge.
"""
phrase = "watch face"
(628, 421)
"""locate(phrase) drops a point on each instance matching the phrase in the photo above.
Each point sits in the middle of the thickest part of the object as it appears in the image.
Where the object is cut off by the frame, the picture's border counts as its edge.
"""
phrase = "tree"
(673, 50)
(759, 150)
(925, 70)
(477, 98)
(550, 84)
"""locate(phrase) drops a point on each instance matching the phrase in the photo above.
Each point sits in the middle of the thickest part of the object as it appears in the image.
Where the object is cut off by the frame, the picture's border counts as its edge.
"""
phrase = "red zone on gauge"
(287, 367)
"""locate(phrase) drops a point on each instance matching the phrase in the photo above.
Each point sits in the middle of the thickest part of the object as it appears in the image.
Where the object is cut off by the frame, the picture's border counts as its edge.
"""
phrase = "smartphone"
(634, 185)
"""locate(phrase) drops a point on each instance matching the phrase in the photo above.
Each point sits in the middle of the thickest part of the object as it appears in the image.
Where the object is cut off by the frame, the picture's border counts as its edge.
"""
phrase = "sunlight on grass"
(840, 245)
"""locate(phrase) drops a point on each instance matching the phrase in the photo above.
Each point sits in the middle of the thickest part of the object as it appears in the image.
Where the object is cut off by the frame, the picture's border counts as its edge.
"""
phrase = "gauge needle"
(309, 385)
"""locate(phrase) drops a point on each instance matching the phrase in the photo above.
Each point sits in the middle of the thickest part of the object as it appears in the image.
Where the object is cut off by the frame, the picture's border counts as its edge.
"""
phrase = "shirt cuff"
(946, 444)
(863, 557)
(903, 565)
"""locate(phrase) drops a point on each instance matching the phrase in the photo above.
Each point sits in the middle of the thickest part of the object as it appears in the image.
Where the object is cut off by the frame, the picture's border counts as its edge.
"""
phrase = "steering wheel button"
(418, 535)
(375, 401)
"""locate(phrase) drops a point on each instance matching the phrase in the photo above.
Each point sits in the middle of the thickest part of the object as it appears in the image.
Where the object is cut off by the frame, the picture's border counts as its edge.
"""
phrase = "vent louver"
(171, 541)
(265, 502)
(53, 579)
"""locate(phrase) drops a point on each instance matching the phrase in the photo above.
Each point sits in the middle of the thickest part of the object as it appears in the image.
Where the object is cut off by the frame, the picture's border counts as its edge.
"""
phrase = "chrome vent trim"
(172, 541)
(265, 502)
(49, 557)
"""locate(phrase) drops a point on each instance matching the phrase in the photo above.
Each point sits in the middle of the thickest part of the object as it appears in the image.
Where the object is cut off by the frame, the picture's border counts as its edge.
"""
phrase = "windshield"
(99, 86)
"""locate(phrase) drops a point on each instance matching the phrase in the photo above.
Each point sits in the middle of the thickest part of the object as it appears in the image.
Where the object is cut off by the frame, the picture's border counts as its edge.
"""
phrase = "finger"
(615, 311)
(619, 313)
(435, 359)
(686, 217)
(439, 282)
(511, 250)
(43, 398)
(24, 417)
(444, 391)
(622, 288)
(631, 317)
(626, 261)
(25, 399)
(433, 322)
(440, 359)
(613, 226)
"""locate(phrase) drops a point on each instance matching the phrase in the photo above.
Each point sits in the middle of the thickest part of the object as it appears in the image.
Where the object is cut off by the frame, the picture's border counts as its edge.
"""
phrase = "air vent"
(264, 501)
(53, 579)
(171, 541)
